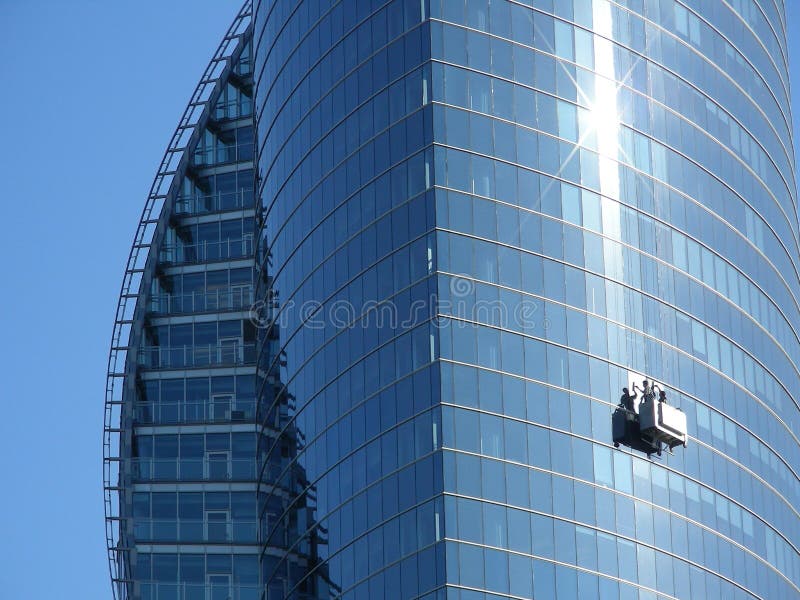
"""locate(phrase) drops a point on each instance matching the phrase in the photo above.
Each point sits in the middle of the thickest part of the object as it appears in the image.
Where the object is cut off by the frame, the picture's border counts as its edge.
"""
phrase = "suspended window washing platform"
(651, 426)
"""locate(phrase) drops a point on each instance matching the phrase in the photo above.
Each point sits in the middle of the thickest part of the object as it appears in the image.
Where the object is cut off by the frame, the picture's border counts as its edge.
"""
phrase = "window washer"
(626, 401)
(648, 393)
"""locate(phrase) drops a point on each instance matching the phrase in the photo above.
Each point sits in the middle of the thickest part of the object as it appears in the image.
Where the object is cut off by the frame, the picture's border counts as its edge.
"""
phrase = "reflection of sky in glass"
(605, 118)
(603, 112)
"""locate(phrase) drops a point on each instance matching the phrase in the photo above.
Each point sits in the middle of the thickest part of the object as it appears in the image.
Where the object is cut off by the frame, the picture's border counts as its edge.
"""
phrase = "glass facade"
(478, 222)
(182, 503)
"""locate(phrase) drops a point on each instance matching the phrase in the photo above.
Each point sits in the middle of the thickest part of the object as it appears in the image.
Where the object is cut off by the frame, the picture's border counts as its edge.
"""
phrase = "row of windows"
(325, 144)
(219, 456)
(213, 232)
(352, 276)
(746, 61)
(649, 40)
(216, 192)
(389, 149)
(193, 505)
(357, 465)
(533, 532)
(617, 221)
(207, 290)
(195, 445)
(217, 409)
(567, 285)
(784, 255)
(519, 270)
(735, 20)
(192, 400)
(392, 371)
(504, 573)
(327, 286)
(517, 485)
(410, 577)
(206, 242)
(318, 237)
(499, 57)
(193, 568)
(580, 384)
(565, 368)
(233, 103)
(481, 93)
(631, 66)
(541, 404)
(350, 559)
(301, 72)
(195, 516)
(231, 145)
(467, 172)
(487, 261)
(203, 281)
(493, 486)
(197, 334)
(197, 389)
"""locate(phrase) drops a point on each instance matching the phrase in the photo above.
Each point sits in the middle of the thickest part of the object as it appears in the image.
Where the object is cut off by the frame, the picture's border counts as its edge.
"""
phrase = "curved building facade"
(181, 429)
(480, 220)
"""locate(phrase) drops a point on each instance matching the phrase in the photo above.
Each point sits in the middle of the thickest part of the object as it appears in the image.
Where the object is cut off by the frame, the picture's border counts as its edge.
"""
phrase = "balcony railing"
(156, 357)
(153, 590)
(179, 254)
(219, 201)
(195, 530)
(193, 469)
(194, 412)
(223, 299)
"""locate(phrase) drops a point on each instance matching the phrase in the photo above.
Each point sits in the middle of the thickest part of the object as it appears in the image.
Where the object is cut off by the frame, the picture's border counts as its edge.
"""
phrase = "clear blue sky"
(91, 93)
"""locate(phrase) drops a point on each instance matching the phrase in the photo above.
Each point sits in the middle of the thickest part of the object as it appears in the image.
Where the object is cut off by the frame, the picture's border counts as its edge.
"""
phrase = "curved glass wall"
(481, 221)
(346, 165)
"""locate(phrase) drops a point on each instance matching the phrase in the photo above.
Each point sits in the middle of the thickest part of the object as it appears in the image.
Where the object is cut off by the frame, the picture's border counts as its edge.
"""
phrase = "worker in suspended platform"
(627, 400)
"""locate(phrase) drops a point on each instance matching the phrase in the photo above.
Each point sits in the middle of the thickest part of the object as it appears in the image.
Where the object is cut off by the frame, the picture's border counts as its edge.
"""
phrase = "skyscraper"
(479, 221)
(180, 463)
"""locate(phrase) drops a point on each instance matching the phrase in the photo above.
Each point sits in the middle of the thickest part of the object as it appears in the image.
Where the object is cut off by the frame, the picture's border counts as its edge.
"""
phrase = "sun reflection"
(604, 120)
(604, 115)
(603, 112)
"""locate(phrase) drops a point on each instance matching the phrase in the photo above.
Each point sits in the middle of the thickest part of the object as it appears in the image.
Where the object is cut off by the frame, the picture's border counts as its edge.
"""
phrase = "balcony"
(211, 355)
(193, 469)
(217, 202)
(202, 252)
(168, 413)
(216, 528)
(221, 589)
(240, 298)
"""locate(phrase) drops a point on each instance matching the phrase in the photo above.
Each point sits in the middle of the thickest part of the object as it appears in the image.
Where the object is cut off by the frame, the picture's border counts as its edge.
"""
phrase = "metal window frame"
(133, 299)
